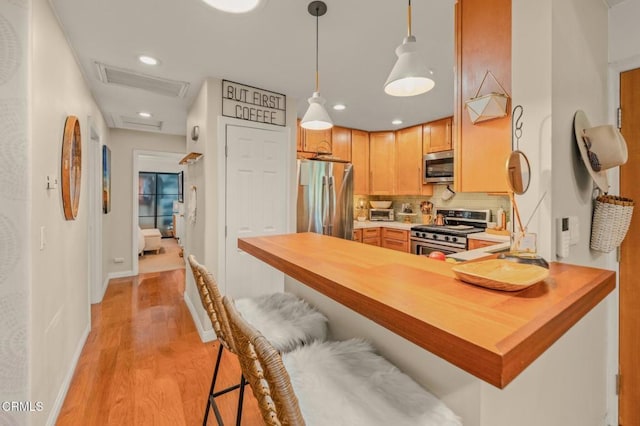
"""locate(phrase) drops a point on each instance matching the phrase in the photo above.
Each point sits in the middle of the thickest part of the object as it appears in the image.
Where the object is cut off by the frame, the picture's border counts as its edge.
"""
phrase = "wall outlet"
(118, 260)
(52, 182)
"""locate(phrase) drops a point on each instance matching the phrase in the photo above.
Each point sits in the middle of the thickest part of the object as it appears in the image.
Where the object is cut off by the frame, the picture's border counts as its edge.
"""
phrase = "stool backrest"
(263, 368)
(212, 302)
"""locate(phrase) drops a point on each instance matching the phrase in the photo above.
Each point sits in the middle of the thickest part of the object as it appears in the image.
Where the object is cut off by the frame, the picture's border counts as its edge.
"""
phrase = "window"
(157, 193)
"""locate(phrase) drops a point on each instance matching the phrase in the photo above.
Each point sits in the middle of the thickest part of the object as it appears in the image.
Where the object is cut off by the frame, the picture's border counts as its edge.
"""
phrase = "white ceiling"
(271, 48)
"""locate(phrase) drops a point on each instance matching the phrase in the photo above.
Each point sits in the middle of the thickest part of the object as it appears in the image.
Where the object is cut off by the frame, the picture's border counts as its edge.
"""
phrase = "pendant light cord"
(317, 47)
(409, 19)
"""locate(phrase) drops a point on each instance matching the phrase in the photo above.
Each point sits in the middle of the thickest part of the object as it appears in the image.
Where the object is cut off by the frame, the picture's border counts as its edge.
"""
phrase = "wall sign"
(253, 104)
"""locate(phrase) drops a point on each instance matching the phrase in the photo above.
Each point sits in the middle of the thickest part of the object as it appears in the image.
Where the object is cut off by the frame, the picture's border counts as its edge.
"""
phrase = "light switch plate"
(574, 230)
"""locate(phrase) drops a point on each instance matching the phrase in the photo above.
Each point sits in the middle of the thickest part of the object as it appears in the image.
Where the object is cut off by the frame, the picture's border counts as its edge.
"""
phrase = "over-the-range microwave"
(437, 167)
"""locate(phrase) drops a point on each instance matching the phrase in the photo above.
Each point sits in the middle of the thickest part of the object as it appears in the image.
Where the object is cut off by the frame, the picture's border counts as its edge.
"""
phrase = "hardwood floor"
(144, 364)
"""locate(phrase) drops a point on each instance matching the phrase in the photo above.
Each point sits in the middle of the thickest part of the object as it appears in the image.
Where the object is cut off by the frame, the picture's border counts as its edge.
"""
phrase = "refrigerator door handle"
(325, 204)
(332, 213)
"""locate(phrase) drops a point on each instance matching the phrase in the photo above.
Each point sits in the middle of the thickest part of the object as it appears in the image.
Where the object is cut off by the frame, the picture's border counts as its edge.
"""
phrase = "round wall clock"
(71, 167)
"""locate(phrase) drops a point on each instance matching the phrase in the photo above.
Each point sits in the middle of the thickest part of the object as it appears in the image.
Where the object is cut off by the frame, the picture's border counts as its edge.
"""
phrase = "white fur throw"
(345, 383)
(284, 319)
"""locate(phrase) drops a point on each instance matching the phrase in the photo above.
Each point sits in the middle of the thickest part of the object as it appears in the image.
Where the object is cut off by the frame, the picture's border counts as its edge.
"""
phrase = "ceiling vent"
(134, 123)
(128, 78)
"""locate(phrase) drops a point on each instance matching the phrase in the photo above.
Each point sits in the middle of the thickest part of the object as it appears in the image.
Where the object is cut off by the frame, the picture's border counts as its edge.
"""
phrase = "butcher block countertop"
(491, 334)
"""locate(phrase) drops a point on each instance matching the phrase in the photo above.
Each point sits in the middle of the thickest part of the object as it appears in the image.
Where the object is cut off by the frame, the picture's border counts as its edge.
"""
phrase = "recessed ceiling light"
(144, 114)
(396, 122)
(234, 6)
(148, 60)
(339, 107)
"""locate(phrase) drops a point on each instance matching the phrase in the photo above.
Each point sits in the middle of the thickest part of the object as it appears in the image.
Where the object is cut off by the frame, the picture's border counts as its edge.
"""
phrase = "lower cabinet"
(371, 236)
(396, 239)
(476, 244)
(357, 235)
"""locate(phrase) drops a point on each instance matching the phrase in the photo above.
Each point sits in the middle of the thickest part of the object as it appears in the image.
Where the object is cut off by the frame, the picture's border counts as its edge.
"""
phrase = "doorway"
(629, 291)
(154, 161)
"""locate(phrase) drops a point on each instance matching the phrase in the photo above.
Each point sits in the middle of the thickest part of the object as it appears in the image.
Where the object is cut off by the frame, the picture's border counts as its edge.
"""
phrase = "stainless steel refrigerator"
(325, 198)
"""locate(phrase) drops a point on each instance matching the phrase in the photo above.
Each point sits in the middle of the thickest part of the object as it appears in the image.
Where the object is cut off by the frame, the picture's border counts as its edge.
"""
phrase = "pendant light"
(316, 117)
(409, 76)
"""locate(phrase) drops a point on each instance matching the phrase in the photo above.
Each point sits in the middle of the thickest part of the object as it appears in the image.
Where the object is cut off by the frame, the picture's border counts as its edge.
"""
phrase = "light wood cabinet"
(357, 235)
(312, 141)
(371, 236)
(439, 132)
(409, 161)
(475, 244)
(396, 239)
(382, 159)
(360, 161)
(299, 136)
(315, 140)
(341, 143)
(483, 42)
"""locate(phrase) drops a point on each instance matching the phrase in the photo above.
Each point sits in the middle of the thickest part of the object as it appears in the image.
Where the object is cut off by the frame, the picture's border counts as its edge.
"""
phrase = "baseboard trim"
(121, 274)
(205, 335)
(64, 388)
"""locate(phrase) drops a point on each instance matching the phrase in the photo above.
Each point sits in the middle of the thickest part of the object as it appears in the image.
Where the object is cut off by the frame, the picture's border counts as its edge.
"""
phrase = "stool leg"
(240, 401)
(213, 384)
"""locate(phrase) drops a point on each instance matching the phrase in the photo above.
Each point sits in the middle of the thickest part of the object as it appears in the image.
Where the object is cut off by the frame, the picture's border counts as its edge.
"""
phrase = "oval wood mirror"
(518, 172)
(71, 167)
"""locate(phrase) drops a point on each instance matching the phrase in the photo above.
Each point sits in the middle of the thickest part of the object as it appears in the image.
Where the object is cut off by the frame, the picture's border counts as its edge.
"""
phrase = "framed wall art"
(106, 179)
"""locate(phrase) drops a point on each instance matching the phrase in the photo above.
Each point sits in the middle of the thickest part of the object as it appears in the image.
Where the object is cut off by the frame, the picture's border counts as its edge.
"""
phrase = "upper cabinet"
(317, 141)
(341, 143)
(360, 161)
(382, 158)
(408, 173)
(483, 43)
(439, 135)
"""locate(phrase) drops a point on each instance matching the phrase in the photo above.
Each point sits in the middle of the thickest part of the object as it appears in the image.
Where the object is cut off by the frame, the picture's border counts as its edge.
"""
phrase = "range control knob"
(446, 238)
(454, 239)
(435, 237)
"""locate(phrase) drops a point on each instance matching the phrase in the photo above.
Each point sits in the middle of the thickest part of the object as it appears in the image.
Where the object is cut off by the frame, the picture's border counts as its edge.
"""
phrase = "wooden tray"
(500, 274)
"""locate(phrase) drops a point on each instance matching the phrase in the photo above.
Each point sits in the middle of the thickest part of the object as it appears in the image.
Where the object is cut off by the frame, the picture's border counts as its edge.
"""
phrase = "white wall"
(624, 31)
(118, 224)
(14, 208)
(59, 304)
(201, 235)
(205, 238)
(159, 163)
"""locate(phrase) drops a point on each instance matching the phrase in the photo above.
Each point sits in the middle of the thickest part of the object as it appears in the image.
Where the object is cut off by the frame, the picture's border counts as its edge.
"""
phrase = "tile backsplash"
(467, 200)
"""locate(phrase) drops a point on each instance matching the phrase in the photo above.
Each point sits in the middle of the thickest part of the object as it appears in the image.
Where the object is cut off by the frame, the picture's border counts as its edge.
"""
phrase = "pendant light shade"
(233, 6)
(316, 117)
(410, 75)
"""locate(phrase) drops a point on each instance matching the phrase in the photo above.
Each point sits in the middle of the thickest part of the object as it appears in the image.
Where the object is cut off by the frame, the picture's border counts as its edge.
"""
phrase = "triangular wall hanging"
(487, 107)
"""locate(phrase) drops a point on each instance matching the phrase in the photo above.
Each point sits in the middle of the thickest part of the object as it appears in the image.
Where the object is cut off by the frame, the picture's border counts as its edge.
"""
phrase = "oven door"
(423, 248)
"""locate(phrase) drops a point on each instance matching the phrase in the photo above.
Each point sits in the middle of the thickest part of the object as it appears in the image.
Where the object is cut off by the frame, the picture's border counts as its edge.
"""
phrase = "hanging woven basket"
(611, 220)
(487, 107)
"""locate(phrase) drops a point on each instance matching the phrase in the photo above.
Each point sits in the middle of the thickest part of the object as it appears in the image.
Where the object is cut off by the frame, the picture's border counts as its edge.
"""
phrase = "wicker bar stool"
(331, 383)
(286, 320)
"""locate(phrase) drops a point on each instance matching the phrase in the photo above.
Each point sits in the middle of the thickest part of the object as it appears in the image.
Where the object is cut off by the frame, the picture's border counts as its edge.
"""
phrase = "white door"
(256, 204)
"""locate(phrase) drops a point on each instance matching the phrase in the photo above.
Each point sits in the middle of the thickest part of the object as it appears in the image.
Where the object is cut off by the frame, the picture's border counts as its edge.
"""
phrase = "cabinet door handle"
(419, 180)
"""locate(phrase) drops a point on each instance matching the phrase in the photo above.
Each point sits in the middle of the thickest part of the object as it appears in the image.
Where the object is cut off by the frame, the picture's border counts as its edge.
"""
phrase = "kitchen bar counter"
(491, 334)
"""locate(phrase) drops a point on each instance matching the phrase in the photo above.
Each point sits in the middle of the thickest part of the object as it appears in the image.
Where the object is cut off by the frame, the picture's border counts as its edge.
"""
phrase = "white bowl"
(380, 204)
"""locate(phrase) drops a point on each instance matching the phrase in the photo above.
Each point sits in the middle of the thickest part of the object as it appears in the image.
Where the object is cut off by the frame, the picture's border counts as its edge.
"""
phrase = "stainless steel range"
(451, 237)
